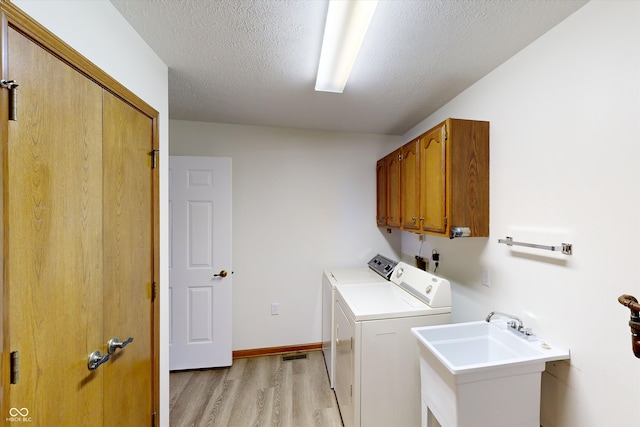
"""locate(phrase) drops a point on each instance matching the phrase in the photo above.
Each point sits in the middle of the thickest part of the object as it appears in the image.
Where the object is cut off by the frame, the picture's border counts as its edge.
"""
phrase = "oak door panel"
(410, 177)
(128, 262)
(54, 240)
(433, 180)
(393, 189)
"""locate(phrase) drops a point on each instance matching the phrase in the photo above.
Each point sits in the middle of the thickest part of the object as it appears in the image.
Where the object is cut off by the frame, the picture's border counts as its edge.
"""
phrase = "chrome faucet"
(515, 325)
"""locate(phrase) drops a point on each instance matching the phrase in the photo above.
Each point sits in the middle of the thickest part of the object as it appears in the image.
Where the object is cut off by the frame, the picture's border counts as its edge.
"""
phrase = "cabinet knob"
(413, 218)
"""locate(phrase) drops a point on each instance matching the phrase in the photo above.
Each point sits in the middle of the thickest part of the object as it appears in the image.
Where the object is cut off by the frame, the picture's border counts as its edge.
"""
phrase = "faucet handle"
(528, 334)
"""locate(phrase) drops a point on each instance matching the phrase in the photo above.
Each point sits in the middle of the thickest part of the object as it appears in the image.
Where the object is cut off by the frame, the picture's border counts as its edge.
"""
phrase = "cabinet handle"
(413, 218)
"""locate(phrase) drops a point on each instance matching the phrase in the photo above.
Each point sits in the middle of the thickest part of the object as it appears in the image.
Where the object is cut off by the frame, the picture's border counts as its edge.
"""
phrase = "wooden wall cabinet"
(388, 190)
(410, 185)
(444, 180)
(381, 192)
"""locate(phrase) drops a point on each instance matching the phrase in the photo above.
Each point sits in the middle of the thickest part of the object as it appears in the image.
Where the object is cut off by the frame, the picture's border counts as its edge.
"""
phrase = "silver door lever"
(114, 344)
(96, 359)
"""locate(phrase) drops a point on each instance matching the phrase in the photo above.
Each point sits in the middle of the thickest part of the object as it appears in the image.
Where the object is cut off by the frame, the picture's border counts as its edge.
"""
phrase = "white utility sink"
(481, 346)
(482, 374)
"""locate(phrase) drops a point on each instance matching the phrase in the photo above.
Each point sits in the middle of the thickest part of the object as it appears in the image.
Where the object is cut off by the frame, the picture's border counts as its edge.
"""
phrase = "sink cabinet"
(444, 180)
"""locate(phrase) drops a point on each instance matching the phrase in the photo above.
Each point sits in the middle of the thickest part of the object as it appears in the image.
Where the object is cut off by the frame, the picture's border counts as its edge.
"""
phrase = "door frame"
(12, 16)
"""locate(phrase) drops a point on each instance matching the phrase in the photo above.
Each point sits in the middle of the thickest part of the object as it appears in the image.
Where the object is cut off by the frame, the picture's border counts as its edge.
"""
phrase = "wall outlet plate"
(486, 277)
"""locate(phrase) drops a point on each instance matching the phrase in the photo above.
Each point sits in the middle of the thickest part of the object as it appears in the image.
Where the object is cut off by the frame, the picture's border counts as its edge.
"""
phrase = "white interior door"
(200, 262)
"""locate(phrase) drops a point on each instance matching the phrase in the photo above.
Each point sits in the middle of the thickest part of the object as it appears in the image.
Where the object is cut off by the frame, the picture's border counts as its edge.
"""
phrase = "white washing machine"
(378, 269)
(377, 365)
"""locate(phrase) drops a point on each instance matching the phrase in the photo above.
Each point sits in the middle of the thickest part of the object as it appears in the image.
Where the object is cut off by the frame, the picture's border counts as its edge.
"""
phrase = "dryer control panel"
(382, 265)
(432, 290)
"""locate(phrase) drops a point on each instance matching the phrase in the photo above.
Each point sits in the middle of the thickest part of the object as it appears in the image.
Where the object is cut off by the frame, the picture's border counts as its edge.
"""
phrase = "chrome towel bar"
(565, 248)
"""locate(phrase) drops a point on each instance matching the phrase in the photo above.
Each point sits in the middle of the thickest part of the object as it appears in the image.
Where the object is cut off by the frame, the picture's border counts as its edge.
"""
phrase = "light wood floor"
(256, 392)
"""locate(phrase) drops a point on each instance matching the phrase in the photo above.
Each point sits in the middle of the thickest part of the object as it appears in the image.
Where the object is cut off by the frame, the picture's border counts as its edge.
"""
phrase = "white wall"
(302, 201)
(97, 30)
(565, 149)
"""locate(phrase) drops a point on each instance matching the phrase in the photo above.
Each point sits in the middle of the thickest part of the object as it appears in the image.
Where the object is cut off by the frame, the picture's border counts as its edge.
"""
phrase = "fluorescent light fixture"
(346, 26)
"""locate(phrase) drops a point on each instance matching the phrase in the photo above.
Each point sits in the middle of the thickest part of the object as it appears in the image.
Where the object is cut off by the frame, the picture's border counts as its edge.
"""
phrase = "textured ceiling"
(254, 61)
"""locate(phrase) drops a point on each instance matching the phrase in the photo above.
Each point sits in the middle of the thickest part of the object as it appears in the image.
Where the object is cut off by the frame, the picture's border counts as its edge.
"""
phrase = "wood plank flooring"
(256, 392)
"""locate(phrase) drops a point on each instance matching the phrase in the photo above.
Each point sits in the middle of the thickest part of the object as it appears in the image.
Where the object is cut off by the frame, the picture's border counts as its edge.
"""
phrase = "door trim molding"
(14, 17)
(32, 29)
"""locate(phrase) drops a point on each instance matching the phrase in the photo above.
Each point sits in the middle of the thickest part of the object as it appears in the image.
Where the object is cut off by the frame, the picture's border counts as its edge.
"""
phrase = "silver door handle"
(114, 344)
(96, 359)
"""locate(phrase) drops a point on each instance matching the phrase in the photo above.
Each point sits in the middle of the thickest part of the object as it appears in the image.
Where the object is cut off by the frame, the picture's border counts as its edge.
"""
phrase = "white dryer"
(377, 377)
(378, 269)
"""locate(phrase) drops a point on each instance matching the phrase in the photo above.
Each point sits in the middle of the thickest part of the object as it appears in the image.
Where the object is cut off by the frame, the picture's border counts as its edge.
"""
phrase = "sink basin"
(477, 346)
(481, 374)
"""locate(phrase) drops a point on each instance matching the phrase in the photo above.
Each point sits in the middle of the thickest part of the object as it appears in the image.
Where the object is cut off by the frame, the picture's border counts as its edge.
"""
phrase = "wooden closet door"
(79, 248)
(53, 239)
(128, 262)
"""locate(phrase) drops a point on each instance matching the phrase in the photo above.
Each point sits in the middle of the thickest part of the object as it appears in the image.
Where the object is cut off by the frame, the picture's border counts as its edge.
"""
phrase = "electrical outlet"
(435, 257)
(486, 277)
(275, 308)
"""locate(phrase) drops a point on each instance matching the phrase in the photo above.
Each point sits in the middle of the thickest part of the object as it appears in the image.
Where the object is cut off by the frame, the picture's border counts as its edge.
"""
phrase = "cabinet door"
(410, 187)
(344, 366)
(433, 200)
(381, 192)
(393, 189)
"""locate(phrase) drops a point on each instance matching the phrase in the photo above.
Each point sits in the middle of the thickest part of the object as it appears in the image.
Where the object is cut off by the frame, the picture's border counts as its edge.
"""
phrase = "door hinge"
(13, 97)
(15, 367)
(444, 133)
(154, 290)
(350, 390)
(351, 339)
(154, 158)
(154, 419)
